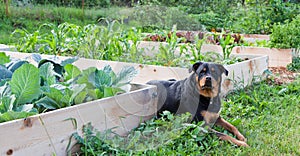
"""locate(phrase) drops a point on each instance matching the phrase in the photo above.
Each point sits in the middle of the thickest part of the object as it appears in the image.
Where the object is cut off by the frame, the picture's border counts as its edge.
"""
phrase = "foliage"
(55, 84)
(164, 18)
(227, 42)
(195, 48)
(295, 65)
(285, 35)
(25, 84)
(32, 16)
(64, 38)
(27, 41)
(3, 58)
(166, 54)
(262, 119)
(111, 42)
(210, 20)
(154, 137)
(106, 42)
(75, 3)
(238, 16)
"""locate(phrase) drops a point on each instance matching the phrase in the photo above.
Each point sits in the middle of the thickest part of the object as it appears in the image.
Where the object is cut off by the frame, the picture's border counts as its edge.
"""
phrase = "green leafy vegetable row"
(27, 90)
(113, 43)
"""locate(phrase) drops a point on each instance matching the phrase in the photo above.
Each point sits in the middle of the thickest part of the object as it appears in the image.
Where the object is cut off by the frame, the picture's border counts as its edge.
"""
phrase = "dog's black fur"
(183, 95)
(197, 94)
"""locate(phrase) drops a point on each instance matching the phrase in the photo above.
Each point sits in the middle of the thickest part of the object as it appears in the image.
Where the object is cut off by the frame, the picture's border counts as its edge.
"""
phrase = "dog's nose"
(208, 78)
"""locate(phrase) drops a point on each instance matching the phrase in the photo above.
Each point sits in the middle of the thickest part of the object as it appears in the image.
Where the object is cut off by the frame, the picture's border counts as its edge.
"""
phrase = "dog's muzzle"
(208, 83)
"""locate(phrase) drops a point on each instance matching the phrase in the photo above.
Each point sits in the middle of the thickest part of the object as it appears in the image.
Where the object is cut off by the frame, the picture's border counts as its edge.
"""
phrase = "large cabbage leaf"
(25, 84)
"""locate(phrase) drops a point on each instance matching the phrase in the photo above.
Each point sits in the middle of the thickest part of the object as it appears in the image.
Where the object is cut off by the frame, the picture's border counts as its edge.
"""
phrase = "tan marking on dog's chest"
(210, 117)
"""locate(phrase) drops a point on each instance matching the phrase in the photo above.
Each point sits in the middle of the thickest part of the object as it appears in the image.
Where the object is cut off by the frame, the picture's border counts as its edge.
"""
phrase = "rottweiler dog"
(199, 95)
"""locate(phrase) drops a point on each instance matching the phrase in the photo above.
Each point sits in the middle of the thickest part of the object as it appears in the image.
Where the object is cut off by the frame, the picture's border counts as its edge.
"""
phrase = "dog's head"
(208, 77)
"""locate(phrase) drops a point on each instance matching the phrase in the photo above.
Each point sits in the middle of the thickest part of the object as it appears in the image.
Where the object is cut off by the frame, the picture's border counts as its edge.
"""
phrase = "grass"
(272, 126)
(267, 114)
(31, 17)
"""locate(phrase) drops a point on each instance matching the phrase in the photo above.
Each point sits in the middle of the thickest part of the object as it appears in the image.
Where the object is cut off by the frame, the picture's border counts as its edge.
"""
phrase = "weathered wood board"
(277, 57)
(49, 133)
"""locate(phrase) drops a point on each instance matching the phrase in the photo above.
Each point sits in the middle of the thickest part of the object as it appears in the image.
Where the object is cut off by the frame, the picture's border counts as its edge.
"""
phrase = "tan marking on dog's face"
(210, 117)
(208, 92)
(201, 82)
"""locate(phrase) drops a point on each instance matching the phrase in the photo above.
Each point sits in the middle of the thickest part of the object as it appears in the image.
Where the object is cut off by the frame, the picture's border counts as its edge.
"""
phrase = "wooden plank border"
(49, 133)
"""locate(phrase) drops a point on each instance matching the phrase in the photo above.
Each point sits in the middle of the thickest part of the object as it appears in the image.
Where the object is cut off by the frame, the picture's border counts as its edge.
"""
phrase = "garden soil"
(280, 75)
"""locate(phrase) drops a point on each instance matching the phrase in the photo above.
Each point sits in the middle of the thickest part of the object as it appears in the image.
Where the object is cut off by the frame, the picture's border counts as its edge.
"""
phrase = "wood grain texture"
(49, 133)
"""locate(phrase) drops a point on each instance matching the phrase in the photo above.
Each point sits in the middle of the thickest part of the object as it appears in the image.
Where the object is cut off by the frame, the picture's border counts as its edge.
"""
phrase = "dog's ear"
(223, 69)
(195, 66)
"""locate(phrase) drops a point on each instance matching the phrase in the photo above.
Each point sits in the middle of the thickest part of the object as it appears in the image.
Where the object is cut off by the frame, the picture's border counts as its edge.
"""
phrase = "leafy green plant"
(27, 41)
(156, 136)
(135, 54)
(25, 84)
(166, 53)
(3, 58)
(286, 35)
(81, 86)
(163, 18)
(295, 65)
(227, 44)
(55, 84)
(110, 43)
(64, 38)
(195, 49)
(15, 94)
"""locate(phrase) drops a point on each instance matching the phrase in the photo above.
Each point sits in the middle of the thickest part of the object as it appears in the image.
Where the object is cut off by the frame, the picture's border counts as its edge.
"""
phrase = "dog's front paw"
(242, 144)
(241, 137)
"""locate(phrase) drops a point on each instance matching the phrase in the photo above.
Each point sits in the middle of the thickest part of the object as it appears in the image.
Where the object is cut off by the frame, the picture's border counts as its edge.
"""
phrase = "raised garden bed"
(49, 132)
(277, 57)
(241, 73)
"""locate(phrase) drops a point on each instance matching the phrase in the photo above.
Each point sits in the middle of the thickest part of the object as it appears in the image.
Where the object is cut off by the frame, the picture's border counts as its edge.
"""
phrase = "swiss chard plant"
(26, 89)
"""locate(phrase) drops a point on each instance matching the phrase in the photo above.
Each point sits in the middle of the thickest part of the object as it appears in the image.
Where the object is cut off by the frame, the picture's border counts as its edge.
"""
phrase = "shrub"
(164, 18)
(286, 35)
